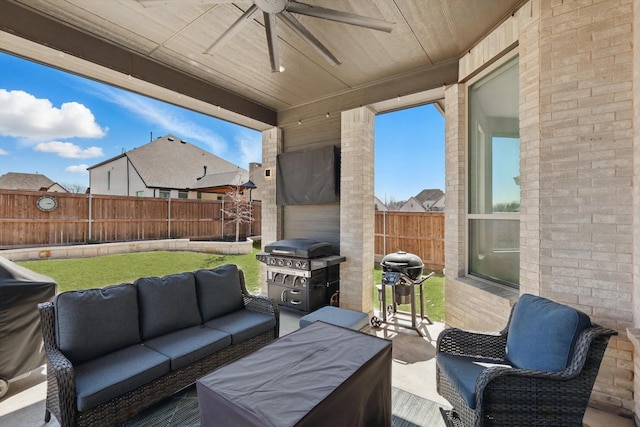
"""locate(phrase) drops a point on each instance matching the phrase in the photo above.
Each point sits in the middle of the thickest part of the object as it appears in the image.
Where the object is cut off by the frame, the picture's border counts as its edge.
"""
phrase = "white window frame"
(469, 216)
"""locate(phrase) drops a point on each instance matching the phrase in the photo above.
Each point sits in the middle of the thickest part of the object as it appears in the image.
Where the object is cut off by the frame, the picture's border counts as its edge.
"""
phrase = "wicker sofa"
(539, 371)
(115, 351)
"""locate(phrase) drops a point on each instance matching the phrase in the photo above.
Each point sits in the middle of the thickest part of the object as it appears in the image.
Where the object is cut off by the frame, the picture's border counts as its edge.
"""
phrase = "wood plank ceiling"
(163, 44)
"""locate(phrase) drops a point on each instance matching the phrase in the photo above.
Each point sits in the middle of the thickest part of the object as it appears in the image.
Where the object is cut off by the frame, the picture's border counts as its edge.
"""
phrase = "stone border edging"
(99, 249)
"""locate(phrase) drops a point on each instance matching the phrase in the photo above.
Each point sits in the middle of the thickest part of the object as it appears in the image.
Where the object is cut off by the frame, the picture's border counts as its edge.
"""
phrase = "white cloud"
(22, 115)
(250, 147)
(3, 152)
(157, 114)
(69, 150)
(82, 169)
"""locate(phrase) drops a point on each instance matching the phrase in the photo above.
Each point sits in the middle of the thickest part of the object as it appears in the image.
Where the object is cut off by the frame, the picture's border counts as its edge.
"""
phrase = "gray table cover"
(320, 375)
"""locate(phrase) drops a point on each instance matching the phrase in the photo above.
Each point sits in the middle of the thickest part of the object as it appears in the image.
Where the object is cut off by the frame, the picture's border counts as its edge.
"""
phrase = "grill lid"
(301, 248)
(403, 262)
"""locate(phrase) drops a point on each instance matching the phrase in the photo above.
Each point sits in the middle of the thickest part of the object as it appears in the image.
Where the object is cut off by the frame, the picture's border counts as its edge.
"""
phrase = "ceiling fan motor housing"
(271, 6)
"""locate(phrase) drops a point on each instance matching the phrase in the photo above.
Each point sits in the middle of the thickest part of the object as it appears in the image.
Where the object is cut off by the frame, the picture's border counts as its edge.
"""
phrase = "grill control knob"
(281, 262)
(299, 264)
(272, 261)
(289, 263)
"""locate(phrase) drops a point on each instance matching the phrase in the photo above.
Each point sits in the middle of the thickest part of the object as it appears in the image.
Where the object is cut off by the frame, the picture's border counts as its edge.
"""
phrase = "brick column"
(271, 214)
(634, 333)
(357, 209)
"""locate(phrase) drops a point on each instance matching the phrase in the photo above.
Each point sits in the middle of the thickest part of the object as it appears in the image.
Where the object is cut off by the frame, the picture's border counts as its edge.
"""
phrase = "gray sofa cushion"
(186, 346)
(219, 291)
(167, 304)
(93, 322)
(243, 324)
(114, 374)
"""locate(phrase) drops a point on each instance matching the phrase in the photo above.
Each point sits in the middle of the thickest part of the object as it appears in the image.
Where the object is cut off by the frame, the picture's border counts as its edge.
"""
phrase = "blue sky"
(57, 124)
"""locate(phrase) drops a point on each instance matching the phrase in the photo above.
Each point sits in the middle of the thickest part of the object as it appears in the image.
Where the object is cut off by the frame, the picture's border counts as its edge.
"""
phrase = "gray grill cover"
(320, 375)
(20, 292)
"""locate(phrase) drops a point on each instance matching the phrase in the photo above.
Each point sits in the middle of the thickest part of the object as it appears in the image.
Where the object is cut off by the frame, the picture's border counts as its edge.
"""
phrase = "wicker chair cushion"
(112, 375)
(83, 334)
(219, 291)
(462, 372)
(243, 324)
(167, 304)
(186, 346)
(542, 334)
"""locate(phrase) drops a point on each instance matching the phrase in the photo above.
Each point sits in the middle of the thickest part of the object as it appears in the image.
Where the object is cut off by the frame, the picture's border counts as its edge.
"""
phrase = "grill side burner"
(301, 273)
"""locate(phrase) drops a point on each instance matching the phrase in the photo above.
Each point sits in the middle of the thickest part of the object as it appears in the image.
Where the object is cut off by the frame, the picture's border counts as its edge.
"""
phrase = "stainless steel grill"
(302, 274)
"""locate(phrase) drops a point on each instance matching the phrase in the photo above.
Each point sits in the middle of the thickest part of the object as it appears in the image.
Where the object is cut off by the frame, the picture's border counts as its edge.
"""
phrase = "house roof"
(237, 178)
(25, 181)
(169, 162)
(429, 195)
(380, 206)
(413, 205)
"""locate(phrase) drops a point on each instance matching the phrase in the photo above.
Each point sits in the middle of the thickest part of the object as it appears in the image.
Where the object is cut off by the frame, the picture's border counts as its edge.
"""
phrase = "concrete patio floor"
(413, 371)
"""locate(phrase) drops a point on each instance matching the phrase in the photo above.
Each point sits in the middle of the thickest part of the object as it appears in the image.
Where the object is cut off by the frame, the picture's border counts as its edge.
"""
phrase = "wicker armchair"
(514, 395)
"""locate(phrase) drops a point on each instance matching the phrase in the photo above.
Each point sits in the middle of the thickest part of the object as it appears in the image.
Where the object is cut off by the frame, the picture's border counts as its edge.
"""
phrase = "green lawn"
(97, 272)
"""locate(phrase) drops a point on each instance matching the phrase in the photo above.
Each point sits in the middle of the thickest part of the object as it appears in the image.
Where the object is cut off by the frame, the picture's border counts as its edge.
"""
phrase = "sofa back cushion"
(543, 333)
(94, 322)
(167, 304)
(219, 291)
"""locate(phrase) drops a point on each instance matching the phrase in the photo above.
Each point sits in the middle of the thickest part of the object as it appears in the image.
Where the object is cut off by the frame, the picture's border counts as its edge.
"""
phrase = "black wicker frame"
(518, 397)
(61, 396)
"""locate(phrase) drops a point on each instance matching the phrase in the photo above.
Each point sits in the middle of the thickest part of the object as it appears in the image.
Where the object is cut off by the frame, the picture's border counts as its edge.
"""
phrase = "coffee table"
(322, 374)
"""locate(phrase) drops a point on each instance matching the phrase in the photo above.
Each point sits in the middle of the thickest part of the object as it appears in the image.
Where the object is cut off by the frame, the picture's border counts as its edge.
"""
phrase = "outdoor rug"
(181, 410)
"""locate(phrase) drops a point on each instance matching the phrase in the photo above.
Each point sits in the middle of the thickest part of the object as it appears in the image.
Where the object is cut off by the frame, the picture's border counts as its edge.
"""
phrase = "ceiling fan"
(284, 10)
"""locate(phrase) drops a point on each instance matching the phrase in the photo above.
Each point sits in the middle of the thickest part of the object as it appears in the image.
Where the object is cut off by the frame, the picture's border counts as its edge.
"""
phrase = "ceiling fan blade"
(154, 3)
(234, 28)
(272, 41)
(338, 16)
(300, 30)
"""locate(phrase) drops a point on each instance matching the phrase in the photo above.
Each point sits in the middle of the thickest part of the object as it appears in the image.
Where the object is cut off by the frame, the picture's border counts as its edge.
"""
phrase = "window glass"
(505, 179)
(494, 175)
(165, 194)
(183, 195)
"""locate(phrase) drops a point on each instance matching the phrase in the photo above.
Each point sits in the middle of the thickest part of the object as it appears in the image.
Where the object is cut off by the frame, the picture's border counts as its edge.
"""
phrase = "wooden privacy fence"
(83, 218)
(420, 233)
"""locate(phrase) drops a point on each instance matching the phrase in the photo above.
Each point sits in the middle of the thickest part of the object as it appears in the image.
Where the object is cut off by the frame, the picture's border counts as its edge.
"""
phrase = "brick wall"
(577, 170)
(635, 333)
(586, 169)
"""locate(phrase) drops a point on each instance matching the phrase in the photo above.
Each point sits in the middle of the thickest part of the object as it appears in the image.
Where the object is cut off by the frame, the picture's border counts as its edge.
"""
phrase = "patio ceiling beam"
(30, 25)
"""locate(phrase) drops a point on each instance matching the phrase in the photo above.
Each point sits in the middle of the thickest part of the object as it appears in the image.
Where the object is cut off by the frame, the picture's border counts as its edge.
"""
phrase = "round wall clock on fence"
(47, 203)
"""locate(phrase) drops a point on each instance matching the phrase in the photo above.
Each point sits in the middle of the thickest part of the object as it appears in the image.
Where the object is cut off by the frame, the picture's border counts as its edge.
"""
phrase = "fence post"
(384, 233)
(222, 220)
(169, 217)
(89, 238)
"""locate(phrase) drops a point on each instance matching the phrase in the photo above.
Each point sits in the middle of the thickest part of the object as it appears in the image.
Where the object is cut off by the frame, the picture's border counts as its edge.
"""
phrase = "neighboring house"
(166, 167)
(412, 205)
(29, 182)
(426, 201)
(431, 199)
(379, 205)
